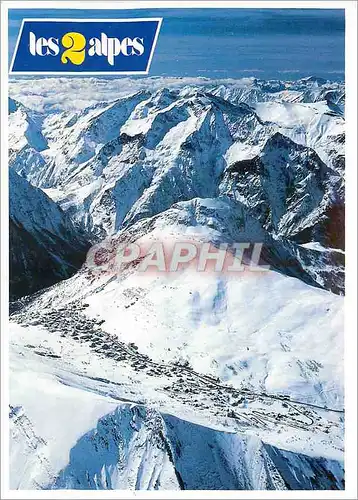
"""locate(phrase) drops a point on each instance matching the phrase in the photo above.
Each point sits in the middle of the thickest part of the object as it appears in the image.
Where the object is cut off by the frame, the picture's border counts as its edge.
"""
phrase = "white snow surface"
(79, 421)
(289, 345)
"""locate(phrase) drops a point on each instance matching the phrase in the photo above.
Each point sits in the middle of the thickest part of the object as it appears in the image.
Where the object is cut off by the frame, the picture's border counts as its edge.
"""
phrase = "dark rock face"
(289, 189)
(298, 200)
(34, 265)
(45, 247)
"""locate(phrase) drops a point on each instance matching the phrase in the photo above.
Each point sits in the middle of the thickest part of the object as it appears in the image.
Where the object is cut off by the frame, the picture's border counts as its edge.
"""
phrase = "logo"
(148, 254)
(85, 46)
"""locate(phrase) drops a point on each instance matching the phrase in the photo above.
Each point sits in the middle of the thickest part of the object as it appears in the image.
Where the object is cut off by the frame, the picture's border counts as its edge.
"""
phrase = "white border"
(87, 73)
(350, 493)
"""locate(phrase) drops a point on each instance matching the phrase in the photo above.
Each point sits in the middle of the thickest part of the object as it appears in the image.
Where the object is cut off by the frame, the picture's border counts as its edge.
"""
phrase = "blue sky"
(231, 43)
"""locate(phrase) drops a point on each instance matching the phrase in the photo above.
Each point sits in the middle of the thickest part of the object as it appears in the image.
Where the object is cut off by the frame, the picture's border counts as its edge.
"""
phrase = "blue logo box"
(85, 46)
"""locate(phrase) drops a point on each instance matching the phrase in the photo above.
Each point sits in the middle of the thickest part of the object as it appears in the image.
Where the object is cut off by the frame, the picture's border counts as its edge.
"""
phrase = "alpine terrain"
(123, 379)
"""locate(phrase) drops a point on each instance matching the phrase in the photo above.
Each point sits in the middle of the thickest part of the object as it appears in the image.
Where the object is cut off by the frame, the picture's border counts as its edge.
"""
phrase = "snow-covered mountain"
(192, 380)
(113, 164)
(45, 245)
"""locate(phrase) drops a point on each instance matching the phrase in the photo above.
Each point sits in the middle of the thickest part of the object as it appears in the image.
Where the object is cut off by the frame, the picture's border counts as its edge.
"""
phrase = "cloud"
(74, 94)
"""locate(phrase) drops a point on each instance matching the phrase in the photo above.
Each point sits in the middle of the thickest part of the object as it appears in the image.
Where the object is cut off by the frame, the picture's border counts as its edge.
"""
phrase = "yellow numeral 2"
(75, 44)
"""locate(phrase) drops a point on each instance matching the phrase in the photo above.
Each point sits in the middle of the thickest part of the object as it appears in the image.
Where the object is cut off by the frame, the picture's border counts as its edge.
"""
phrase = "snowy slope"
(109, 420)
(26, 141)
(200, 316)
